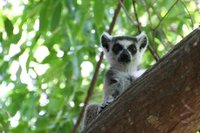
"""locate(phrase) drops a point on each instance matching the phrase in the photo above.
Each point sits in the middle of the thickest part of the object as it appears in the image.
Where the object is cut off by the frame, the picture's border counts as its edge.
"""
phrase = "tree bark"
(166, 99)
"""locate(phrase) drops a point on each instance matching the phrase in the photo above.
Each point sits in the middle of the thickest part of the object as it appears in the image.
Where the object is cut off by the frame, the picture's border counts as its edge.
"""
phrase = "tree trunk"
(165, 99)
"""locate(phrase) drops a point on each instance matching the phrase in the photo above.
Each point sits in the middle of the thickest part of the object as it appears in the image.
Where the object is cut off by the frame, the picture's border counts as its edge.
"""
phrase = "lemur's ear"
(142, 40)
(105, 39)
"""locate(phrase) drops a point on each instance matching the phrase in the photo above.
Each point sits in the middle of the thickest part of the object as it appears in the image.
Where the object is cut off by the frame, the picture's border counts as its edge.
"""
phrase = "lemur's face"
(123, 49)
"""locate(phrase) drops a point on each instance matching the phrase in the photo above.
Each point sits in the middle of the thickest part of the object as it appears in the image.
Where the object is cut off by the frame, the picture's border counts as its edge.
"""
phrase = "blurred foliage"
(48, 52)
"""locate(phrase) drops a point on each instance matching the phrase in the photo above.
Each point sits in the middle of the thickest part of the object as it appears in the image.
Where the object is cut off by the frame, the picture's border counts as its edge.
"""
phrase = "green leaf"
(17, 37)
(29, 111)
(13, 39)
(1, 38)
(43, 17)
(42, 123)
(128, 4)
(21, 128)
(4, 123)
(17, 96)
(55, 104)
(56, 16)
(8, 27)
(98, 12)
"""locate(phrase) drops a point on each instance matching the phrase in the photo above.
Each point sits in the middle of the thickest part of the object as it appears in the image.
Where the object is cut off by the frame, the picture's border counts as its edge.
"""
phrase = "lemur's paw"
(101, 107)
(110, 100)
(104, 105)
(99, 110)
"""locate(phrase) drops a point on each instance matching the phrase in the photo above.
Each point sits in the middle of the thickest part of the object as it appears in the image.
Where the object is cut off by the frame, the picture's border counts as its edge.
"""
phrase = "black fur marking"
(106, 46)
(119, 38)
(112, 81)
(132, 49)
(115, 94)
(124, 57)
(131, 78)
(144, 43)
(102, 107)
(105, 42)
(117, 48)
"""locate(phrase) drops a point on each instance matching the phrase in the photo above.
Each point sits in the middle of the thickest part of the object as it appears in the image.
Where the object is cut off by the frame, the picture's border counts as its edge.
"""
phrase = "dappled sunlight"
(60, 54)
(5, 89)
(42, 112)
(71, 103)
(14, 49)
(32, 73)
(86, 68)
(13, 70)
(41, 53)
(15, 10)
(43, 99)
(44, 86)
(14, 121)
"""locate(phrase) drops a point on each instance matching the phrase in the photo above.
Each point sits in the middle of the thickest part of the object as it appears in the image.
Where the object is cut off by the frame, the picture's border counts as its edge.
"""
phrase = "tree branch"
(94, 78)
(128, 15)
(136, 17)
(153, 53)
(192, 22)
(166, 15)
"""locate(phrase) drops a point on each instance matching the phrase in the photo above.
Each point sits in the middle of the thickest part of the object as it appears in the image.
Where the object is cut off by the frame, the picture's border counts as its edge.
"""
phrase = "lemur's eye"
(132, 49)
(117, 48)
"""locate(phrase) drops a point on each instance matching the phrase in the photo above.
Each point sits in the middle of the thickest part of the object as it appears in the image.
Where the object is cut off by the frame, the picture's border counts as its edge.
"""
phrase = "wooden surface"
(166, 99)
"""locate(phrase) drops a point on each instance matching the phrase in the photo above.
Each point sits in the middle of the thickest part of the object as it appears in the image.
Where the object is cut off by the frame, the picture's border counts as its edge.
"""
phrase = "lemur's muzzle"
(124, 57)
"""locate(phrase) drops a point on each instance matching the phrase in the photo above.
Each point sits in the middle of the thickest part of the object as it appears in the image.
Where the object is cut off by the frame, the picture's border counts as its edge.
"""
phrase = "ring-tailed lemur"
(124, 55)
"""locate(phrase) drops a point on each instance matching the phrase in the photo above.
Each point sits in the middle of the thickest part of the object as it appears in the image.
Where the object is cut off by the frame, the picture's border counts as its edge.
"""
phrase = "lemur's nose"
(124, 57)
(125, 53)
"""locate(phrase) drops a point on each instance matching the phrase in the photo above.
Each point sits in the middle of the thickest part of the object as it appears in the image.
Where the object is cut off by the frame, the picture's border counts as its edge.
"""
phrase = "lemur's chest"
(124, 77)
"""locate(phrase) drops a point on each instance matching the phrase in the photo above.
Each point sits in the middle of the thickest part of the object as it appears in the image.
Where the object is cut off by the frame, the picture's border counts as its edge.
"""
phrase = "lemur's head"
(124, 50)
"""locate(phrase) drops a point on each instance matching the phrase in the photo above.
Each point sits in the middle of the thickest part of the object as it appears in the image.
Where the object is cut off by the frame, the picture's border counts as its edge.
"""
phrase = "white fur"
(107, 35)
(125, 43)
